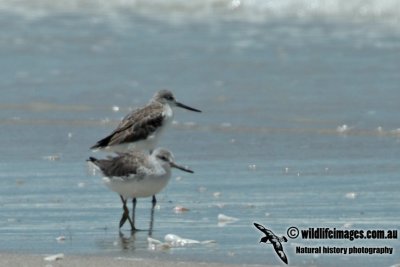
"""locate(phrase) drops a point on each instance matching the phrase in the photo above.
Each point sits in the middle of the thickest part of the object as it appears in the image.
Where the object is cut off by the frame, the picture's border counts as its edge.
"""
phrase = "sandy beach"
(34, 260)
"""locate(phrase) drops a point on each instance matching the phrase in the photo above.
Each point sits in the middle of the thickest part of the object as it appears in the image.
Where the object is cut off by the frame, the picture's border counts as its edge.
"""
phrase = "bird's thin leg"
(125, 215)
(153, 205)
(133, 210)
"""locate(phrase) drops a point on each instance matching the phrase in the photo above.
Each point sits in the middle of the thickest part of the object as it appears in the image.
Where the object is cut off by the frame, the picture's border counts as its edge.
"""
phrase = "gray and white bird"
(141, 129)
(137, 175)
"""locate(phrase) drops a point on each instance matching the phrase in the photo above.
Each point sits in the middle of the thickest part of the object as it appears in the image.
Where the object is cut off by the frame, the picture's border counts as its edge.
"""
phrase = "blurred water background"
(300, 123)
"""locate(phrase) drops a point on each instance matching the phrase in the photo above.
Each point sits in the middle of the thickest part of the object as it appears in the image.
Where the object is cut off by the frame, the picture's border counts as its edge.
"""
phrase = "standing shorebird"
(141, 128)
(137, 175)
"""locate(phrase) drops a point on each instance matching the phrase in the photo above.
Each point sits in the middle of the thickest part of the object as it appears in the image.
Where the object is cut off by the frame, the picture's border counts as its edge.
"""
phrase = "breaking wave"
(243, 10)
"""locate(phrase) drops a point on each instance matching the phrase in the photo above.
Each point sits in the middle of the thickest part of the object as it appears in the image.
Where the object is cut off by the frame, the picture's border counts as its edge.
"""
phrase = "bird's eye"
(164, 158)
(169, 97)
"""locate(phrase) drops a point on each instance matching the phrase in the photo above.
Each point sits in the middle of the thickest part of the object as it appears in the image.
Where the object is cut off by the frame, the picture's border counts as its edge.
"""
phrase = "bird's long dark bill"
(181, 167)
(186, 107)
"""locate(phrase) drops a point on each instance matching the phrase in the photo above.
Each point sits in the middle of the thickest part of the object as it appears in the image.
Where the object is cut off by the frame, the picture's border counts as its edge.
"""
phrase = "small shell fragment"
(217, 194)
(177, 241)
(61, 238)
(351, 195)
(252, 167)
(54, 257)
(52, 157)
(180, 209)
(342, 128)
(157, 245)
(224, 220)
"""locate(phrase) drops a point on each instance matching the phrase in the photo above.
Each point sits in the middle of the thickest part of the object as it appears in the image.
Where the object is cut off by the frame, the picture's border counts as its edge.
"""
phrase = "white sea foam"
(248, 10)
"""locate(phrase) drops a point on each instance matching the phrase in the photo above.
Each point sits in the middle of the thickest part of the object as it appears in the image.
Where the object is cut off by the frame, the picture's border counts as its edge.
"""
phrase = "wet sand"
(33, 260)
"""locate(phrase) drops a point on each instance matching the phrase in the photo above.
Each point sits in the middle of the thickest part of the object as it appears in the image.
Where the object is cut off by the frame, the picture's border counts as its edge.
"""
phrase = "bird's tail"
(93, 165)
(102, 143)
(92, 160)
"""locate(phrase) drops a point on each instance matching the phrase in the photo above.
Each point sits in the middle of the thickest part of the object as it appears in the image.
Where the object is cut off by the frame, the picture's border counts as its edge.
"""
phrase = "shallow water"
(266, 148)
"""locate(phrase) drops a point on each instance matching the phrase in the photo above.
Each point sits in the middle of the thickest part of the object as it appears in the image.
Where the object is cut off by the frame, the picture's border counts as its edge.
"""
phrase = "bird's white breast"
(168, 114)
(144, 186)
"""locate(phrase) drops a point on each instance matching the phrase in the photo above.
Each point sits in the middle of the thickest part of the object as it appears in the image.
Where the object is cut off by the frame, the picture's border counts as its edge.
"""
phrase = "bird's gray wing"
(136, 126)
(123, 165)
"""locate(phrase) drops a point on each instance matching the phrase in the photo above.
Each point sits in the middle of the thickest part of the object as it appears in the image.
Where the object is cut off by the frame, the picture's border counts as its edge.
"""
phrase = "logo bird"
(274, 240)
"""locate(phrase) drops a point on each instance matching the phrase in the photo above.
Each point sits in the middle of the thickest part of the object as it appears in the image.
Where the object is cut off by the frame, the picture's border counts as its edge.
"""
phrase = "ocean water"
(300, 124)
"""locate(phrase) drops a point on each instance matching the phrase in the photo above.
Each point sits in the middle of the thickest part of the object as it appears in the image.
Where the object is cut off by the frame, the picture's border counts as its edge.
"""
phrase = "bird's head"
(166, 97)
(167, 160)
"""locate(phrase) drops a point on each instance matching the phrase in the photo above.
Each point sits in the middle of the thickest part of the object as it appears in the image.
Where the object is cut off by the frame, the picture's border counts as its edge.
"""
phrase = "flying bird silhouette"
(274, 240)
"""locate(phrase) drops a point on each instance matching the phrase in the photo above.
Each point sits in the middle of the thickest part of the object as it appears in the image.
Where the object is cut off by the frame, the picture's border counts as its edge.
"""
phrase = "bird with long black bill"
(141, 129)
(137, 175)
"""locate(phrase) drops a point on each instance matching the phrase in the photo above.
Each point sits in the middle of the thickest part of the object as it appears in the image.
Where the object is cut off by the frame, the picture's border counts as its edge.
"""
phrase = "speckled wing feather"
(262, 229)
(136, 126)
(279, 250)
